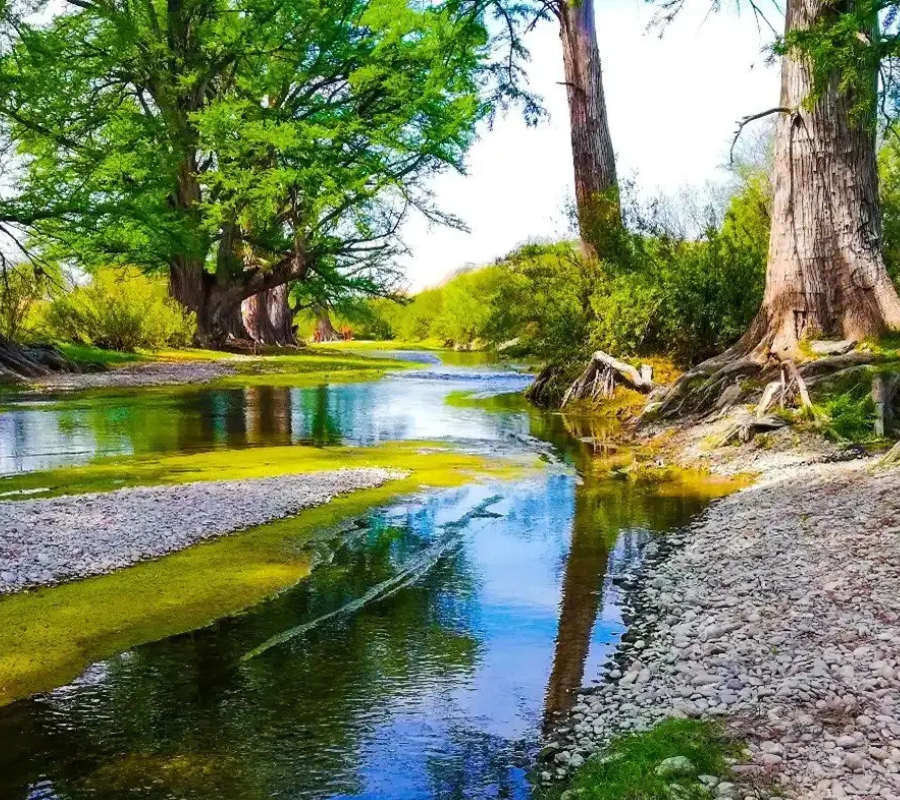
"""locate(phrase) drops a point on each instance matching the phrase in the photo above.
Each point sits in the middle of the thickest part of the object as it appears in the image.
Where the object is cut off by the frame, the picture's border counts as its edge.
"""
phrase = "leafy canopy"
(286, 136)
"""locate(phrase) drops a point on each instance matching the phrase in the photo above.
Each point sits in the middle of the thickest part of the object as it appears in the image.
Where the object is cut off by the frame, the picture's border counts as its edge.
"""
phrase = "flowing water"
(422, 657)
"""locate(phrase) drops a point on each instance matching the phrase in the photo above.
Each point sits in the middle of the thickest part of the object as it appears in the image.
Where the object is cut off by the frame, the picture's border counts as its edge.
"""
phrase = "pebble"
(65, 538)
(777, 612)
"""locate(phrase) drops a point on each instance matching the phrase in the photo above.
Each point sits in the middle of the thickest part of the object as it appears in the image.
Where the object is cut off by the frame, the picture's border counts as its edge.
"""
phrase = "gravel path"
(780, 613)
(48, 541)
(159, 373)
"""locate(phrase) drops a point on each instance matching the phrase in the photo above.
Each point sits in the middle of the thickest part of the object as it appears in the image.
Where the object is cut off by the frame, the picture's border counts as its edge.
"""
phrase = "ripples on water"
(420, 660)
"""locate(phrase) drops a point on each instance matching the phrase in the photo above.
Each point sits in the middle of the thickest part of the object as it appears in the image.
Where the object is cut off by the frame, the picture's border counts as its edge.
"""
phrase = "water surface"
(422, 657)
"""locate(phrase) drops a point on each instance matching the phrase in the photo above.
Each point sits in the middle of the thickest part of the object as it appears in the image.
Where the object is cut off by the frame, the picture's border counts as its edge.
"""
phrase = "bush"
(20, 291)
(658, 292)
(120, 309)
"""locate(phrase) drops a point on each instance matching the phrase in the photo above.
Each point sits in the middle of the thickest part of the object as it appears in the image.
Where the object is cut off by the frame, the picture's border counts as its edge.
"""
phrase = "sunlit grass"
(627, 769)
(115, 472)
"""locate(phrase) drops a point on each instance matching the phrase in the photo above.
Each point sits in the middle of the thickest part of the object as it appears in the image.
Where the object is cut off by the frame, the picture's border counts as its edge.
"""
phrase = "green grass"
(87, 356)
(116, 472)
(843, 409)
(509, 401)
(626, 770)
(386, 344)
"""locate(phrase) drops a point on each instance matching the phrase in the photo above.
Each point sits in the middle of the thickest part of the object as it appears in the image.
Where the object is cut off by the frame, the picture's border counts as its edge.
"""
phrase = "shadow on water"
(419, 660)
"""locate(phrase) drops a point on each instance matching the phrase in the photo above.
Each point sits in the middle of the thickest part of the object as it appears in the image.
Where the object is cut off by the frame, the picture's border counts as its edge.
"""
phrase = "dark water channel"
(420, 660)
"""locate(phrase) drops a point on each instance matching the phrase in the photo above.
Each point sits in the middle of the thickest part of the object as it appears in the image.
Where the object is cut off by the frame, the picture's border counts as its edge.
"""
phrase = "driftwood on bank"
(602, 374)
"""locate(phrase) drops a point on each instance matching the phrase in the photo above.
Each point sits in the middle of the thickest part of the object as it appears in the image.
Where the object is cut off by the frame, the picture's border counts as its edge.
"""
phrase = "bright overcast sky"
(672, 104)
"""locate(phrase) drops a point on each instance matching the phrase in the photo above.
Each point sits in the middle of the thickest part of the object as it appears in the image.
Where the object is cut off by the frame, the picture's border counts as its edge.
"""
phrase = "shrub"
(20, 291)
(120, 309)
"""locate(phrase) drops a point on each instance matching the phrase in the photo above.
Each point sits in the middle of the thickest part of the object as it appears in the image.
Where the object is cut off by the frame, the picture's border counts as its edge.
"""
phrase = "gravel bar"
(156, 373)
(44, 542)
(778, 613)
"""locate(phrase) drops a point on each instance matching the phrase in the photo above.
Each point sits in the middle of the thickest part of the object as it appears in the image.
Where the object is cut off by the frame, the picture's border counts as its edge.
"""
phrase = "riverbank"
(45, 542)
(102, 369)
(777, 613)
(50, 634)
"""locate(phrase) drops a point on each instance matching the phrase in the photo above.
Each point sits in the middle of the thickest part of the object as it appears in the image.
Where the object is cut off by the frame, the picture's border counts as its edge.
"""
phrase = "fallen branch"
(601, 375)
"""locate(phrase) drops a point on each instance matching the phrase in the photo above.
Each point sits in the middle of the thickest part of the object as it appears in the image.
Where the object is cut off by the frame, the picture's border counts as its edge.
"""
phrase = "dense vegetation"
(660, 290)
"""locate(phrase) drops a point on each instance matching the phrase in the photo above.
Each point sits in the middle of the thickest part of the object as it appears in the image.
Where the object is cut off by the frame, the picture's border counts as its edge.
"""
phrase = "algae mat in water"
(116, 472)
(48, 636)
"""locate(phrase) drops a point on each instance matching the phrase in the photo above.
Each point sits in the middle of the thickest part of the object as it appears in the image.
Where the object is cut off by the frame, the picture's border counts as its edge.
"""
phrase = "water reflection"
(420, 659)
(46, 433)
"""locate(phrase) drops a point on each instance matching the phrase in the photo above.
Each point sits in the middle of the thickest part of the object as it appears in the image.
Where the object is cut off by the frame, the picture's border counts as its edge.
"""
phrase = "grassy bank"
(48, 636)
(662, 763)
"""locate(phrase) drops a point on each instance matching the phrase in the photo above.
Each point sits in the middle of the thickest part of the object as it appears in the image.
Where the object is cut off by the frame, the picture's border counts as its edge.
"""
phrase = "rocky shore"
(779, 614)
(44, 542)
(154, 373)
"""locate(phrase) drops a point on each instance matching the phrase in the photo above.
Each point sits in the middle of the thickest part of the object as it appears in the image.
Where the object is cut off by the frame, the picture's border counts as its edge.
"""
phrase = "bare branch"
(744, 121)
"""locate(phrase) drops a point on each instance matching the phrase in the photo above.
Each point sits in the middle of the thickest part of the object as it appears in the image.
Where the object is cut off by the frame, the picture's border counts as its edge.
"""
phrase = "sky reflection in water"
(492, 603)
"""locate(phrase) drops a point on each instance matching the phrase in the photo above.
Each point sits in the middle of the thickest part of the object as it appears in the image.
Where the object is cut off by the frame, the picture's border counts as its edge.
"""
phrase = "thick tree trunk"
(325, 331)
(825, 273)
(596, 189)
(268, 317)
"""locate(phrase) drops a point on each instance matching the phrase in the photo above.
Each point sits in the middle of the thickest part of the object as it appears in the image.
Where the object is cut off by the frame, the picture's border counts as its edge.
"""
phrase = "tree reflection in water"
(434, 688)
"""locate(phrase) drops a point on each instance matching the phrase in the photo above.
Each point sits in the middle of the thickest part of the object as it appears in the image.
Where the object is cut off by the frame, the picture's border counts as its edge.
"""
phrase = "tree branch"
(744, 121)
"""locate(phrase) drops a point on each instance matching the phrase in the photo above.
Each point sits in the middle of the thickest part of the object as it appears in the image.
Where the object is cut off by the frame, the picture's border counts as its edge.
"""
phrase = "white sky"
(673, 103)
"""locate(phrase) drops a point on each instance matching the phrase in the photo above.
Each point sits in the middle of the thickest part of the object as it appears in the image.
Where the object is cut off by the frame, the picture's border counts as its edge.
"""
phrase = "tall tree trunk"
(268, 317)
(325, 331)
(596, 189)
(825, 274)
(188, 286)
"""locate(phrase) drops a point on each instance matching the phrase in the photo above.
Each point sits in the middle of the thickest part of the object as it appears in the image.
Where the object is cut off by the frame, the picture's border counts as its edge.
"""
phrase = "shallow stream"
(421, 659)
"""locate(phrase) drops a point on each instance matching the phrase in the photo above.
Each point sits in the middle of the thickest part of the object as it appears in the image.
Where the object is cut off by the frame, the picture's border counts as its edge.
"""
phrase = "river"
(423, 656)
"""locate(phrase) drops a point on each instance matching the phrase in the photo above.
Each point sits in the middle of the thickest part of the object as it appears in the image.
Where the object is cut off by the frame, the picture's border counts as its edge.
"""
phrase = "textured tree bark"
(325, 331)
(268, 318)
(825, 274)
(18, 362)
(596, 188)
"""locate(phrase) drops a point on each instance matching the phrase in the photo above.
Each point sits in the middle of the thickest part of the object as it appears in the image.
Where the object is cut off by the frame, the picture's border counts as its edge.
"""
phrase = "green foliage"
(119, 310)
(285, 138)
(544, 301)
(687, 299)
(658, 292)
(627, 770)
(20, 291)
(843, 408)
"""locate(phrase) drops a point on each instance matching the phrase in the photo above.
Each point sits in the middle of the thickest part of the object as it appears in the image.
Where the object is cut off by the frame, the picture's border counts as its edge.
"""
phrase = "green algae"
(507, 401)
(117, 472)
(50, 635)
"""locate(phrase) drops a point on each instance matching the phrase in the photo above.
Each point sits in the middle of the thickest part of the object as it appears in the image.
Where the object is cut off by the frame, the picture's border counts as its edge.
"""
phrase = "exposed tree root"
(891, 457)
(18, 362)
(747, 427)
(702, 390)
(601, 376)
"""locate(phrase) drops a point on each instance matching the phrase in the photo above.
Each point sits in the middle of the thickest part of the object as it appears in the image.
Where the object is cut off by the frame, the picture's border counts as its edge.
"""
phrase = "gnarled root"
(715, 386)
(601, 376)
(31, 362)
(748, 426)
